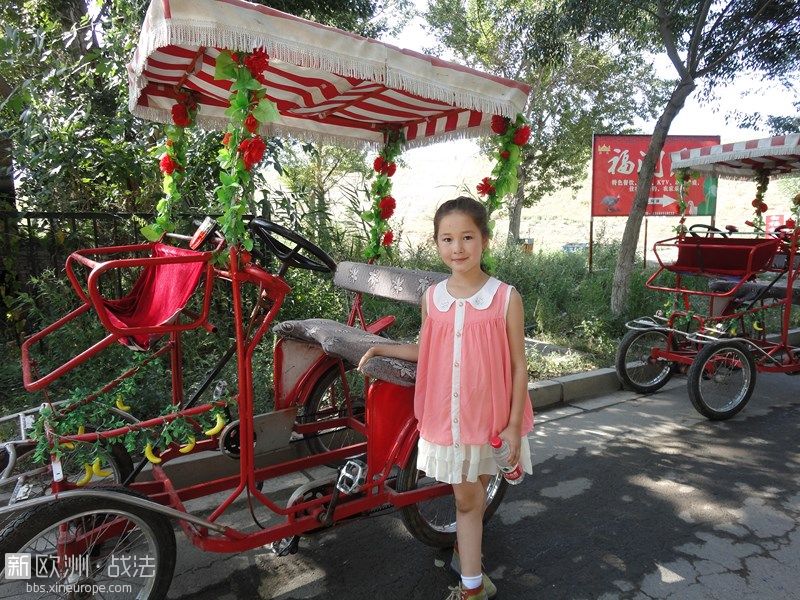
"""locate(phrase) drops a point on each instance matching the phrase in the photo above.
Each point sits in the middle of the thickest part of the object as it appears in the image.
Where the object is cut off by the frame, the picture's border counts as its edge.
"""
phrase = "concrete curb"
(553, 393)
(549, 393)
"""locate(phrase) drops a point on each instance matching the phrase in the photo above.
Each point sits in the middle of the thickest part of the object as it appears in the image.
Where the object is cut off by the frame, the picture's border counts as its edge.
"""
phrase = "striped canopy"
(779, 155)
(329, 85)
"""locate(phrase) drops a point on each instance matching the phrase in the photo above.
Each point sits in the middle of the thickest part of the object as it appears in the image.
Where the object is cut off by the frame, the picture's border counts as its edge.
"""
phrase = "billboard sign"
(616, 160)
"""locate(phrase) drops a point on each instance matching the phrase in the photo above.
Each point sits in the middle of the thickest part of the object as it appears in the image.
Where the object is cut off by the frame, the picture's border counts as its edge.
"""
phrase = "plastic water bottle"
(512, 473)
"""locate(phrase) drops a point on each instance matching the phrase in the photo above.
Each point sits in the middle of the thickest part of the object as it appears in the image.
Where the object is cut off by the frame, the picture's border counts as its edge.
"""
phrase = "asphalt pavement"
(632, 497)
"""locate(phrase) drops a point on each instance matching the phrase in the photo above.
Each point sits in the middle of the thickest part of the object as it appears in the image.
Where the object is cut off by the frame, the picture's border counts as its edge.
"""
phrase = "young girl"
(472, 380)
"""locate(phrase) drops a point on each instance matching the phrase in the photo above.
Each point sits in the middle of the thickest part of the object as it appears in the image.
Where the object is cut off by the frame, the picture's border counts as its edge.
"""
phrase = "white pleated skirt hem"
(440, 462)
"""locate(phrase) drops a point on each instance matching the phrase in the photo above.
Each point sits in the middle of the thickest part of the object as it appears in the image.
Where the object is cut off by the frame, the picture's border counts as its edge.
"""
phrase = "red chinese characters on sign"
(616, 160)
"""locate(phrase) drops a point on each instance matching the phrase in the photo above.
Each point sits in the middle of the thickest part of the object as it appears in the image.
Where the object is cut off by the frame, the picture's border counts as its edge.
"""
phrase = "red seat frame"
(150, 310)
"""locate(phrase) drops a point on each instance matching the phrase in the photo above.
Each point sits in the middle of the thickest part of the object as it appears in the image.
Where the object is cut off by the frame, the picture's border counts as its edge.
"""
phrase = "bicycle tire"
(24, 531)
(421, 527)
(713, 364)
(637, 372)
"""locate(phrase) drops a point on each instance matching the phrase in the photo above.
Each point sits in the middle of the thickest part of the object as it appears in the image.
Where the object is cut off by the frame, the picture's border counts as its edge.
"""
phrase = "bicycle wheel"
(32, 479)
(91, 547)
(433, 522)
(721, 379)
(328, 400)
(636, 368)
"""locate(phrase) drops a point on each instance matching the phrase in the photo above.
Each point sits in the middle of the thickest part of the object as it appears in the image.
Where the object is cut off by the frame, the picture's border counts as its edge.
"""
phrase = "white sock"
(471, 583)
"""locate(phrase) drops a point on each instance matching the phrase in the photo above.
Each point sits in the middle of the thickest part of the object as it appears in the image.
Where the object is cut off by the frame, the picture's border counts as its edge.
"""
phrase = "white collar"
(480, 299)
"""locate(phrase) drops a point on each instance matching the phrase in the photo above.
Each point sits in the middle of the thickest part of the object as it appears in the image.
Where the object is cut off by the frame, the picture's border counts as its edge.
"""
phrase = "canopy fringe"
(160, 115)
(199, 33)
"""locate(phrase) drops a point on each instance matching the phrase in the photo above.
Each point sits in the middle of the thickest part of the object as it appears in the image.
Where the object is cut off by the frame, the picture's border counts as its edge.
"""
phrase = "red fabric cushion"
(159, 294)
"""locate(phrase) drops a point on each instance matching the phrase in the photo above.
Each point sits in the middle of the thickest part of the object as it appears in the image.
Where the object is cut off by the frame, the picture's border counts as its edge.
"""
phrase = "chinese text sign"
(616, 160)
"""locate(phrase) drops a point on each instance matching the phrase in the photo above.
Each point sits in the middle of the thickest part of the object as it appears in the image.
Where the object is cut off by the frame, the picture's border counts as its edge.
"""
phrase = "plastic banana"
(188, 446)
(757, 326)
(99, 471)
(67, 445)
(148, 452)
(87, 475)
(220, 423)
(121, 404)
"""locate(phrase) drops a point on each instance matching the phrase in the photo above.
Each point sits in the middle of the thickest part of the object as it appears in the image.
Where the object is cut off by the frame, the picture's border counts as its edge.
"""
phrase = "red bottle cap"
(495, 442)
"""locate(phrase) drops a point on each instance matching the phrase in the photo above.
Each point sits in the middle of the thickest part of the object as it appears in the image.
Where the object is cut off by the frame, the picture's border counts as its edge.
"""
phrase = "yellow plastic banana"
(121, 404)
(87, 475)
(97, 470)
(81, 430)
(217, 426)
(67, 445)
(148, 452)
(757, 326)
(188, 446)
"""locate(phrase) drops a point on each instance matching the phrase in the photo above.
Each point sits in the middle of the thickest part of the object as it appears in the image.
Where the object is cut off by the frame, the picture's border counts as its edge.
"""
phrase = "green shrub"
(564, 305)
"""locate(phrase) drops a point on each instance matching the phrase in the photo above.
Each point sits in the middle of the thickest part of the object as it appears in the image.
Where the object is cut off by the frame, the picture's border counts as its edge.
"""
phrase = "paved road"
(632, 498)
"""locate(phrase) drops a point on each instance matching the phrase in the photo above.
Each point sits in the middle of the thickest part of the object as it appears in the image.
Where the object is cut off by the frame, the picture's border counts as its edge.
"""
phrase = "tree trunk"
(630, 237)
(515, 210)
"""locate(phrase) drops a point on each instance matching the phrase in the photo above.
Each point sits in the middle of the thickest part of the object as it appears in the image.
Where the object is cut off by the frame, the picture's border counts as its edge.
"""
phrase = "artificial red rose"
(257, 62)
(763, 207)
(226, 139)
(252, 151)
(755, 203)
(505, 154)
(387, 206)
(522, 135)
(388, 238)
(251, 123)
(390, 169)
(167, 165)
(790, 223)
(499, 124)
(485, 187)
(379, 165)
(180, 116)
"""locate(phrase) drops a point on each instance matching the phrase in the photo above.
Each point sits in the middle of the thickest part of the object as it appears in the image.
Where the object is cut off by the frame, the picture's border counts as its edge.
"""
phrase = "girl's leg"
(470, 499)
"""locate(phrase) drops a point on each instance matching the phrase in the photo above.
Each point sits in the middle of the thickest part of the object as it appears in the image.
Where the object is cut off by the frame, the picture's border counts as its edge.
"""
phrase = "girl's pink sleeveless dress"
(463, 388)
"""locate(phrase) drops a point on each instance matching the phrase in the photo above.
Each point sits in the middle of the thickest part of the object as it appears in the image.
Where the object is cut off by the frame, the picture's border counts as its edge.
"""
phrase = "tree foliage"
(578, 87)
(708, 43)
(313, 171)
(75, 145)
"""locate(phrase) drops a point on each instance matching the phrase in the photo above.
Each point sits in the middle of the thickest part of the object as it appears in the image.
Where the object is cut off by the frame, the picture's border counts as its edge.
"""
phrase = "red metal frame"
(389, 425)
(743, 266)
(94, 299)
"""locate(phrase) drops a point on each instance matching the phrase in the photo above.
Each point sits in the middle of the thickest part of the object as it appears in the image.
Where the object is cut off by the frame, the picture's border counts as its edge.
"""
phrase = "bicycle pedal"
(286, 546)
(351, 477)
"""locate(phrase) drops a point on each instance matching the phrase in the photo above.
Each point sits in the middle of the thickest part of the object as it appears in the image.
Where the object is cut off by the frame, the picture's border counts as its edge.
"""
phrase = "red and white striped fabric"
(329, 85)
(779, 155)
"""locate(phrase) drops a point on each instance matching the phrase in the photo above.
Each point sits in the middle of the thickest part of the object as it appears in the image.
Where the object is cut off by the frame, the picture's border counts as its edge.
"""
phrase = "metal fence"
(43, 240)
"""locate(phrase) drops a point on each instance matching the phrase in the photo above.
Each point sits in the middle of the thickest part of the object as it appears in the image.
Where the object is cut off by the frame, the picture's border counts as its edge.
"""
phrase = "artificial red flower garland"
(381, 235)
(243, 147)
(759, 206)
(172, 164)
(509, 141)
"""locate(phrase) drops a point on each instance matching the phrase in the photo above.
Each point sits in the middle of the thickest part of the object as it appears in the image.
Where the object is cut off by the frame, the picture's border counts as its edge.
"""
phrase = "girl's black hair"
(470, 207)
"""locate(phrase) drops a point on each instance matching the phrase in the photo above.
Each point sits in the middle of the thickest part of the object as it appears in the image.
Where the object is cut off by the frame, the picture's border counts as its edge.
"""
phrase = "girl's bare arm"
(402, 351)
(515, 330)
